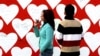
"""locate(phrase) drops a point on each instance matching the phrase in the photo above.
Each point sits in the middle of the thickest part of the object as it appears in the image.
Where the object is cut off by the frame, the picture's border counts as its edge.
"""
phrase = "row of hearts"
(9, 13)
(89, 38)
(84, 51)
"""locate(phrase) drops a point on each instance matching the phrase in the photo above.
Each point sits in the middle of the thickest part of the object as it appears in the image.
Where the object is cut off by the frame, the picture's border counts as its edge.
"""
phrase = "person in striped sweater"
(69, 33)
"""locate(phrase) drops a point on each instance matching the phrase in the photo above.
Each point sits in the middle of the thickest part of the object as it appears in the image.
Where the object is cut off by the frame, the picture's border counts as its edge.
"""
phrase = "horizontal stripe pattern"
(72, 37)
(69, 30)
(69, 36)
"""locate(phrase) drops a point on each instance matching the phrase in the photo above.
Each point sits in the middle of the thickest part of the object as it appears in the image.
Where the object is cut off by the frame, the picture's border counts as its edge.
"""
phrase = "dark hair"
(69, 11)
(49, 18)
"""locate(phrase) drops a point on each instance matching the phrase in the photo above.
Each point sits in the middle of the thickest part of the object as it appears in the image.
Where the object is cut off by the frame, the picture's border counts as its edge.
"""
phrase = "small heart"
(92, 40)
(93, 12)
(56, 51)
(24, 3)
(8, 13)
(84, 51)
(1, 24)
(60, 10)
(82, 3)
(7, 41)
(26, 51)
(33, 41)
(22, 27)
(35, 11)
(53, 3)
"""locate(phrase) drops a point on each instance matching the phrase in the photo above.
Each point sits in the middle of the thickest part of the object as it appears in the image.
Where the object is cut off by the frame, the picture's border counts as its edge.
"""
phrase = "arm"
(49, 38)
(59, 35)
(36, 31)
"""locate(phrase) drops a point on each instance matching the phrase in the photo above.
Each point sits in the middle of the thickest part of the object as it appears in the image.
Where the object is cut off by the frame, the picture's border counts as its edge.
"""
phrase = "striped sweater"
(68, 35)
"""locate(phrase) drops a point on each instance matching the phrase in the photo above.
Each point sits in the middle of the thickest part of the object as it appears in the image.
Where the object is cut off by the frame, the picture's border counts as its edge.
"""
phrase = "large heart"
(93, 12)
(92, 40)
(7, 41)
(1, 24)
(82, 3)
(35, 11)
(60, 10)
(8, 13)
(84, 51)
(22, 27)
(33, 41)
(53, 3)
(24, 3)
(26, 51)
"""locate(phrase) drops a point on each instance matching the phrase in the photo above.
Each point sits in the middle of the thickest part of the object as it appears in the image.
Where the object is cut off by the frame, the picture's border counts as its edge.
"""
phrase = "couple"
(68, 33)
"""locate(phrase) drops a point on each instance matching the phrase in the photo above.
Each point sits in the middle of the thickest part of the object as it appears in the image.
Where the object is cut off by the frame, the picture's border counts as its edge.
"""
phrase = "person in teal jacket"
(46, 33)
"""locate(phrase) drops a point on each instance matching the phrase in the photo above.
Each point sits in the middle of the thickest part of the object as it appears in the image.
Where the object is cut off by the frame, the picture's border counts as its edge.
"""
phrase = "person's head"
(48, 17)
(69, 11)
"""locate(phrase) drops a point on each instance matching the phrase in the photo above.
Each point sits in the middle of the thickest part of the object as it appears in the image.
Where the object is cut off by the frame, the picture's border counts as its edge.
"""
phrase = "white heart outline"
(35, 11)
(33, 41)
(92, 40)
(22, 27)
(93, 14)
(24, 3)
(18, 50)
(8, 13)
(10, 40)
(53, 3)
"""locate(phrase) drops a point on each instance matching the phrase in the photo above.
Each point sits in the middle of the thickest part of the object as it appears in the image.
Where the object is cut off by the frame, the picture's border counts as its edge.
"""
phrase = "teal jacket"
(46, 35)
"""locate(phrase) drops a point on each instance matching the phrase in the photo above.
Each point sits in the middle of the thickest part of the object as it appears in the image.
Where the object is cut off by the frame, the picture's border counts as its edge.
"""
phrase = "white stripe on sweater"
(72, 37)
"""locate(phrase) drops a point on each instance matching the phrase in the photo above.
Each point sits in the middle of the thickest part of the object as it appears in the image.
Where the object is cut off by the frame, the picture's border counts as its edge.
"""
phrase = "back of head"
(69, 10)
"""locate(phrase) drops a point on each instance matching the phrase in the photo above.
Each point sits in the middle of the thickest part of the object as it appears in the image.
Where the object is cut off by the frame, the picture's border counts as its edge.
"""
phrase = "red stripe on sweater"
(70, 43)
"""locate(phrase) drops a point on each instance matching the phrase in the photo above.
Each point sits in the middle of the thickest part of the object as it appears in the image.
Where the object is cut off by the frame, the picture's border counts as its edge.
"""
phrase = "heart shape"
(22, 27)
(35, 11)
(84, 51)
(82, 3)
(26, 51)
(0, 52)
(93, 14)
(53, 3)
(8, 13)
(7, 41)
(1, 24)
(56, 51)
(33, 41)
(92, 40)
(85, 24)
(60, 10)
(24, 3)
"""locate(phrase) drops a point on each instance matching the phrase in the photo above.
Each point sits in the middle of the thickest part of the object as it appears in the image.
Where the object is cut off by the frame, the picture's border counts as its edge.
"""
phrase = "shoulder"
(47, 26)
(70, 23)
